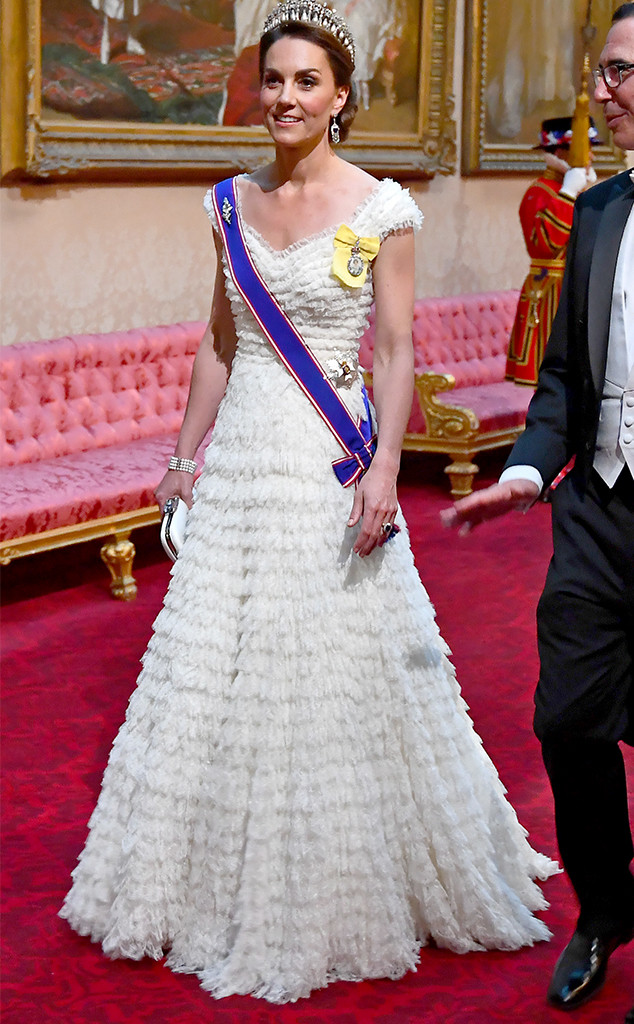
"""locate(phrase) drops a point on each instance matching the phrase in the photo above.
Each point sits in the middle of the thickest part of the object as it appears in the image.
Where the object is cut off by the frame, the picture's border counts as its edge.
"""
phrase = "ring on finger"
(387, 528)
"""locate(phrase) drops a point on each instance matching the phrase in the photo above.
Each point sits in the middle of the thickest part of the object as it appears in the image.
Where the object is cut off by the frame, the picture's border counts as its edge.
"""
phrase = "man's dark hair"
(624, 11)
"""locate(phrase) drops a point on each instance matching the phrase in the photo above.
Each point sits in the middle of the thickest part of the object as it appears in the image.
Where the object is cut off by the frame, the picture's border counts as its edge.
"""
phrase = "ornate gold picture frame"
(413, 137)
(520, 69)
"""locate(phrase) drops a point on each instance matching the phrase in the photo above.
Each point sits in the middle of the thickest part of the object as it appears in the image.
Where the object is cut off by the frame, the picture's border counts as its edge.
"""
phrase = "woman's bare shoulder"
(354, 184)
(357, 178)
(264, 179)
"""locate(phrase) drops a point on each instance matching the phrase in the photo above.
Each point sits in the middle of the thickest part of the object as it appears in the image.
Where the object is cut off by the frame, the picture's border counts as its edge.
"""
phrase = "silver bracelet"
(186, 465)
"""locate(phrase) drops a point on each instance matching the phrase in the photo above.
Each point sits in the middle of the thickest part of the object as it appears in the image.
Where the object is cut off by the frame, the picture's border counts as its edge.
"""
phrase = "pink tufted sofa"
(88, 425)
(462, 404)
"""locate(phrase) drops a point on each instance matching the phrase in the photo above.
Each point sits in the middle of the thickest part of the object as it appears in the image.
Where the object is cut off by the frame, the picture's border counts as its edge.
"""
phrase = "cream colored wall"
(102, 257)
(98, 258)
(471, 238)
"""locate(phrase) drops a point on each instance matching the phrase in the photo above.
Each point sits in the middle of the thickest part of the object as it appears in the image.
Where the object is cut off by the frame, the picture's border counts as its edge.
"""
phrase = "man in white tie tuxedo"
(584, 409)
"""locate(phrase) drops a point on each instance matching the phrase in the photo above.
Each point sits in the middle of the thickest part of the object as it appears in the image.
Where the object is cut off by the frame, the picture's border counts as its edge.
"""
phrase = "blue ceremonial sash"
(354, 435)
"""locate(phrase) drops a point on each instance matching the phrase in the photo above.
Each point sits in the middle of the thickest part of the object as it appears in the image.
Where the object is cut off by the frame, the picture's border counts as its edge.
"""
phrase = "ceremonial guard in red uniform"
(546, 217)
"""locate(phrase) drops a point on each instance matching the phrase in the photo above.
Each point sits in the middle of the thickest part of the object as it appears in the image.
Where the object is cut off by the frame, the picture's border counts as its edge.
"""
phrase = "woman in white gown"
(297, 794)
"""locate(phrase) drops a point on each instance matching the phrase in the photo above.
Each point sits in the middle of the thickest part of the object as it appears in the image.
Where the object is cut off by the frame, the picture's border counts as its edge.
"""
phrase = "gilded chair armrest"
(451, 421)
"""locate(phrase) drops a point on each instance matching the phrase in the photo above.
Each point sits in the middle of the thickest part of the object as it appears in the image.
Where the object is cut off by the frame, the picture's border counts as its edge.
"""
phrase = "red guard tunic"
(546, 218)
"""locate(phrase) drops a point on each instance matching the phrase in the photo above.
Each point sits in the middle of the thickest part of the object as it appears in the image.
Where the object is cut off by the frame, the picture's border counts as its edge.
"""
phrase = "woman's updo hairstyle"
(338, 57)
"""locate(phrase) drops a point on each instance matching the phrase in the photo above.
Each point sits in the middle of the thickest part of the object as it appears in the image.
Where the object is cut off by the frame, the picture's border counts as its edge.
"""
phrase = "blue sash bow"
(354, 435)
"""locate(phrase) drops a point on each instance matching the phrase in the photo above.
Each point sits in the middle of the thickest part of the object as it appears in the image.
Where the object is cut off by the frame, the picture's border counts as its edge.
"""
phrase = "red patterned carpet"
(70, 660)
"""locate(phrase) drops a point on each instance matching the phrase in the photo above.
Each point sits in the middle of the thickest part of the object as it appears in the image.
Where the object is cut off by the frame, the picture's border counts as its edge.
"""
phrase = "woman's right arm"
(210, 373)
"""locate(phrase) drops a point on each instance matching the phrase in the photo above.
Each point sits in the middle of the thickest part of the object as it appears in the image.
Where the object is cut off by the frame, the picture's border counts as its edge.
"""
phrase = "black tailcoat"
(563, 415)
(585, 618)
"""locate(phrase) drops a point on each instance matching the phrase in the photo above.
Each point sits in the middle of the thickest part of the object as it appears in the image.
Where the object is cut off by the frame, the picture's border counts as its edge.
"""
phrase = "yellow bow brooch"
(353, 256)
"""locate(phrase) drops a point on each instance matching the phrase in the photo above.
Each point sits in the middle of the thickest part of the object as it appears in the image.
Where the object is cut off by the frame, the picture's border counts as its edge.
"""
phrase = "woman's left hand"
(375, 503)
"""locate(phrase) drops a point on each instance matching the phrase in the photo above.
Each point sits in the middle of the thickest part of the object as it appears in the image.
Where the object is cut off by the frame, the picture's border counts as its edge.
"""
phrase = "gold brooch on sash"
(343, 369)
(353, 255)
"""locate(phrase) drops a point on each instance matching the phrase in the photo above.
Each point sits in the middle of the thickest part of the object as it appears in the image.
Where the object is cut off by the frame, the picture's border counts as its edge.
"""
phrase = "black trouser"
(585, 696)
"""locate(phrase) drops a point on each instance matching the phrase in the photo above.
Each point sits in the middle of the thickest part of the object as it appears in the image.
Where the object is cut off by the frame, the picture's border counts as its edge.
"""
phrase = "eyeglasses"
(612, 75)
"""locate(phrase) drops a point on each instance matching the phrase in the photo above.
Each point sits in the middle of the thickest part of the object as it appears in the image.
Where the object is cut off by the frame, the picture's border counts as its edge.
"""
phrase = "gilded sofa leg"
(118, 554)
(461, 472)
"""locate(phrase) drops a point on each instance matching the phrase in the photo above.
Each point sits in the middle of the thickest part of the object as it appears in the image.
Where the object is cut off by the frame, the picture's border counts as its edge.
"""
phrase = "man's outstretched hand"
(513, 495)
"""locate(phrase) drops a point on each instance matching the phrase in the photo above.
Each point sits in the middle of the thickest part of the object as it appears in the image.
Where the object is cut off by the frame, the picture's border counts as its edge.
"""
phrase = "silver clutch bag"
(173, 526)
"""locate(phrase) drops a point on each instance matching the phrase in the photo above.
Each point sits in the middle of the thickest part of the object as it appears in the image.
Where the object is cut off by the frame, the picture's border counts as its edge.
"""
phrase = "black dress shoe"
(580, 971)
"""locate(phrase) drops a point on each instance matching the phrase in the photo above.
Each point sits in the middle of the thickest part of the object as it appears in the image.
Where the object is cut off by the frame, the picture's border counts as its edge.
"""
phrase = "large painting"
(169, 87)
(523, 65)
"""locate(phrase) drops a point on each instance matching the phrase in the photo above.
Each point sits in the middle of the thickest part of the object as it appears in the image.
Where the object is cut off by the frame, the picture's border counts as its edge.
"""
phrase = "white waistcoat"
(615, 438)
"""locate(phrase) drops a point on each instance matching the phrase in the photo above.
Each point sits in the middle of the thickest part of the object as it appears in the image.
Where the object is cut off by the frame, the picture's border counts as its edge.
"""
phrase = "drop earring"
(335, 134)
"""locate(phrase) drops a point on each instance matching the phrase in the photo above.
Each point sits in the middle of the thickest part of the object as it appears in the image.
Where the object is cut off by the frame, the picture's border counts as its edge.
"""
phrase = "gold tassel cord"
(579, 153)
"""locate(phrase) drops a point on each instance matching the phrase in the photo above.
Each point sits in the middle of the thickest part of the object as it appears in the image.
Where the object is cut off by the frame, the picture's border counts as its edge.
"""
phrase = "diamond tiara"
(311, 12)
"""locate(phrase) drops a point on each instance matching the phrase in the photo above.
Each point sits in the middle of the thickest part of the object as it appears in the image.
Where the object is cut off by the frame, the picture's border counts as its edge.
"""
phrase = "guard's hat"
(556, 133)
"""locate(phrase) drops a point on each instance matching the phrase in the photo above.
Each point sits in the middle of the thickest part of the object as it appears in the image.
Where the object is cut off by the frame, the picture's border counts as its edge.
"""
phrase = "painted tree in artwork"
(121, 10)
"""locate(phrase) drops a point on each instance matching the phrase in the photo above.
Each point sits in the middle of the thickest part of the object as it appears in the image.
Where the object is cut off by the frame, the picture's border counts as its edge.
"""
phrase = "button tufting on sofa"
(88, 423)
